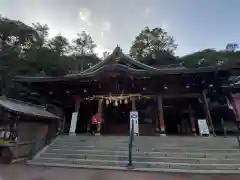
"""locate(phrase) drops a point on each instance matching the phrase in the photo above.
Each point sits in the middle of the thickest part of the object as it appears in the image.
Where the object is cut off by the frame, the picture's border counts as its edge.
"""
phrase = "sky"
(194, 24)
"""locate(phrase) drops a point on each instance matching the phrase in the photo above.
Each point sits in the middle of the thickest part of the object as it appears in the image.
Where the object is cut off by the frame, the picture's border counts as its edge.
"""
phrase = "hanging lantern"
(120, 101)
(116, 103)
(125, 101)
(107, 102)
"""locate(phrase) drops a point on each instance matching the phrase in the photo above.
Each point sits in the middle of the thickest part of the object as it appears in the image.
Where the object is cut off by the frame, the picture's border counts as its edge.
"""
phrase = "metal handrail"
(131, 138)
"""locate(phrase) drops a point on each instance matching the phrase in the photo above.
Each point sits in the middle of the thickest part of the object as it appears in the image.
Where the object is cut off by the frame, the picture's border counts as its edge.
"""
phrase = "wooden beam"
(190, 95)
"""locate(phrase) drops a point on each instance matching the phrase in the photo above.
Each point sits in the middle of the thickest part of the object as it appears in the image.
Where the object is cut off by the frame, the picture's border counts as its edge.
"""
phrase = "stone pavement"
(25, 172)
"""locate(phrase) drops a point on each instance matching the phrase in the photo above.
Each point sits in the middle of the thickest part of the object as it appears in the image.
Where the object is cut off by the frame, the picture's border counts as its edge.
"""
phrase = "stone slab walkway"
(26, 172)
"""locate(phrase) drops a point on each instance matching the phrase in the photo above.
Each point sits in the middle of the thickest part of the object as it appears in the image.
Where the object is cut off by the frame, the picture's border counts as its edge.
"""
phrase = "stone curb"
(136, 169)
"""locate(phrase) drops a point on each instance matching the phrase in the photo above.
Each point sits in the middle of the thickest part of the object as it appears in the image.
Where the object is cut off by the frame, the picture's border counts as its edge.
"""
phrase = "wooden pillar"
(234, 106)
(133, 103)
(206, 107)
(99, 117)
(192, 120)
(161, 116)
(74, 119)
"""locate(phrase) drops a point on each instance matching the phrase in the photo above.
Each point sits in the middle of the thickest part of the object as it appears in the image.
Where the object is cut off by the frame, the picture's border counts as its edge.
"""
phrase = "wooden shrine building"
(169, 99)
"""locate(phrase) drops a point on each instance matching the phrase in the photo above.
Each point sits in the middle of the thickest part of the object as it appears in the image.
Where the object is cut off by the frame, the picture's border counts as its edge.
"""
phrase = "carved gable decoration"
(115, 60)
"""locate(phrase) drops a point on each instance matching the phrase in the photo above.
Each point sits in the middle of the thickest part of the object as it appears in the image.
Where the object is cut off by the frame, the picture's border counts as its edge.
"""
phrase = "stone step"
(151, 139)
(142, 158)
(213, 140)
(162, 149)
(125, 146)
(169, 170)
(141, 144)
(150, 154)
(165, 165)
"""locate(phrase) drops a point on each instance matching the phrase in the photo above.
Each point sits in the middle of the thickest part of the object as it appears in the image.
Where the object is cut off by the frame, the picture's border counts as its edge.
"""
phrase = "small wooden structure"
(175, 94)
(24, 129)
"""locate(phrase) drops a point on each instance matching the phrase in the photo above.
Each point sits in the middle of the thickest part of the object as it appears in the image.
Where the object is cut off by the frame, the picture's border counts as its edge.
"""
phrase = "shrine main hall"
(169, 99)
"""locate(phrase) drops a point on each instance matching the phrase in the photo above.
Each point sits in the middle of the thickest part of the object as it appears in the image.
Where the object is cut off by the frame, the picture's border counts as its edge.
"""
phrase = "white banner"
(73, 123)
(203, 127)
(134, 119)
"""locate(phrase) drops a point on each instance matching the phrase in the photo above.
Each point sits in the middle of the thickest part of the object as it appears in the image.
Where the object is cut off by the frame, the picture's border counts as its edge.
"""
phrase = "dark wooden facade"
(120, 74)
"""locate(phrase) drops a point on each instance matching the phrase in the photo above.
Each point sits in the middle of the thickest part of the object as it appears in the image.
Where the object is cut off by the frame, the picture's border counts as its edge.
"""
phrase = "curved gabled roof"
(118, 54)
(120, 62)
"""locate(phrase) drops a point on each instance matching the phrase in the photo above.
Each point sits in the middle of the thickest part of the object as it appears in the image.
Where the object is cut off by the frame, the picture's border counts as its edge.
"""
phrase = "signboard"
(203, 127)
(73, 123)
(134, 119)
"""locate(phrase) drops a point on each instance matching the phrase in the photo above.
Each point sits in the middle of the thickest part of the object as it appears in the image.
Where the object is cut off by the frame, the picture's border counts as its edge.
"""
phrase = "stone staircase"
(167, 154)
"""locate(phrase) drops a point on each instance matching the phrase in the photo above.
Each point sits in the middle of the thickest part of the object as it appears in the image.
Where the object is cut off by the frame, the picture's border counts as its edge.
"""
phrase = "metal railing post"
(130, 145)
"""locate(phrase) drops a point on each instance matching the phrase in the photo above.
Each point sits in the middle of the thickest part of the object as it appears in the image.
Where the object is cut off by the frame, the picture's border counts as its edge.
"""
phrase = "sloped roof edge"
(25, 108)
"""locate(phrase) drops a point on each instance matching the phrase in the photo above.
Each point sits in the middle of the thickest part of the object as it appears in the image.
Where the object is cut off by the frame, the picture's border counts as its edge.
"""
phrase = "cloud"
(147, 11)
(85, 15)
(107, 26)
(99, 50)
(165, 26)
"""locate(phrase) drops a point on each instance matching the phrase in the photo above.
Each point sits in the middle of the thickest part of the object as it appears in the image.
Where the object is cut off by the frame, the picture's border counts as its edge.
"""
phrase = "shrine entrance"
(116, 119)
(177, 118)
(85, 112)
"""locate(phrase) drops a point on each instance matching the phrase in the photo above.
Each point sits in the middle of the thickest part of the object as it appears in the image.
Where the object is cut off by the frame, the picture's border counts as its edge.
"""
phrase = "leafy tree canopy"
(26, 50)
(209, 57)
(151, 44)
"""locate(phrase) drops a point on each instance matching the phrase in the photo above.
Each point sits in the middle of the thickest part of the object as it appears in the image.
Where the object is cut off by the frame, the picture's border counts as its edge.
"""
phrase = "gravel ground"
(26, 172)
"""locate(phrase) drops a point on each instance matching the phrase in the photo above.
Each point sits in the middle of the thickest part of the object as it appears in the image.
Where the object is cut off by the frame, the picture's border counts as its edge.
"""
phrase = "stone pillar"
(208, 114)
(161, 116)
(192, 121)
(99, 117)
(74, 119)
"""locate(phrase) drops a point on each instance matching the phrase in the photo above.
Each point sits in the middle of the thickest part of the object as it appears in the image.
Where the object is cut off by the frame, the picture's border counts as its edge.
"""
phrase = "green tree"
(105, 54)
(59, 44)
(209, 57)
(42, 32)
(231, 47)
(83, 45)
(151, 42)
(15, 39)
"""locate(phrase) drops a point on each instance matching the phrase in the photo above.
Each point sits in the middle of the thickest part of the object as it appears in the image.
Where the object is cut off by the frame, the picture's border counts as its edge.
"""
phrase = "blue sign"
(134, 115)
